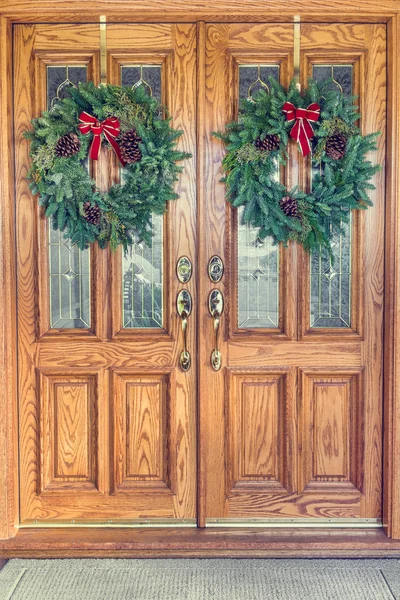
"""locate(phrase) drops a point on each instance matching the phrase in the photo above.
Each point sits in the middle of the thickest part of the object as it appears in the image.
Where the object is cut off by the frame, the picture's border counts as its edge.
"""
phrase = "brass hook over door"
(184, 308)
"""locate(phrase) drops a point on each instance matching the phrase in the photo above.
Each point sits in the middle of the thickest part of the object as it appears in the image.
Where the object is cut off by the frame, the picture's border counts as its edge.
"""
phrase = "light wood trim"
(272, 11)
(9, 490)
(391, 462)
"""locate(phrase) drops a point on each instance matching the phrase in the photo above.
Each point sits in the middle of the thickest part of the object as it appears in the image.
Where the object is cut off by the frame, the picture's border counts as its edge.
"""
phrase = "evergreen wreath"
(130, 123)
(324, 124)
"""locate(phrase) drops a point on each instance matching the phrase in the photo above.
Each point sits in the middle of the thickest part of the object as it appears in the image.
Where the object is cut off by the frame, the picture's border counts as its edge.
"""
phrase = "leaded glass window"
(330, 278)
(142, 281)
(258, 260)
(142, 265)
(69, 267)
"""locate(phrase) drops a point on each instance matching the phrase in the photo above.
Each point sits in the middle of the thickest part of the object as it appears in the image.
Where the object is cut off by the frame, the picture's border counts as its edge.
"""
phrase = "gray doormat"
(200, 579)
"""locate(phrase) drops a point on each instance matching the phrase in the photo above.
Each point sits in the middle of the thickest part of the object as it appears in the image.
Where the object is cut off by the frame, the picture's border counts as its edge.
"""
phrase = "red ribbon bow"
(110, 127)
(302, 131)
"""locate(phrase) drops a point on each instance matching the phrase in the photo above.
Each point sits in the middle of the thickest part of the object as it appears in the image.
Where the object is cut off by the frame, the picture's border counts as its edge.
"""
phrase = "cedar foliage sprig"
(64, 184)
(339, 186)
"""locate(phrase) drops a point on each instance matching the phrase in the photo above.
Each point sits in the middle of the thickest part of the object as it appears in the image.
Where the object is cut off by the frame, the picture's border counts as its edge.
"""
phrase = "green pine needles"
(69, 195)
(341, 173)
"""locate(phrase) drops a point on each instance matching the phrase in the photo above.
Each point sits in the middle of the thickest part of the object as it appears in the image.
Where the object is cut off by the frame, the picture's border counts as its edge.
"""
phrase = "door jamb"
(14, 11)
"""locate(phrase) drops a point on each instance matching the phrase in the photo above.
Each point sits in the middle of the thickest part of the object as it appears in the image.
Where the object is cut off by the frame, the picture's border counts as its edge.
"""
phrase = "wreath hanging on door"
(130, 123)
(322, 121)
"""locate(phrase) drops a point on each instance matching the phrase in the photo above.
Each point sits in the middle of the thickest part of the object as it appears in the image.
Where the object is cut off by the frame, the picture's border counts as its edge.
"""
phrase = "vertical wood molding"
(391, 488)
(200, 190)
(8, 329)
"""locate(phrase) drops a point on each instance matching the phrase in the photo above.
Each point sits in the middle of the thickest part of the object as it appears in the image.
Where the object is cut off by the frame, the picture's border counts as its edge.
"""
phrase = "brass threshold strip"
(300, 523)
(110, 523)
(283, 523)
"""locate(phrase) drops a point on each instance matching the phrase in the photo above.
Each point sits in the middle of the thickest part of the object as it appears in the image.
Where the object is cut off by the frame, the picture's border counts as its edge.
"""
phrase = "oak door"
(291, 425)
(107, 420)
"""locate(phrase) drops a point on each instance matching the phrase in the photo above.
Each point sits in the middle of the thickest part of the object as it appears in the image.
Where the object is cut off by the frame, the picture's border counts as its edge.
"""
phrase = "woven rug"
(200, 579)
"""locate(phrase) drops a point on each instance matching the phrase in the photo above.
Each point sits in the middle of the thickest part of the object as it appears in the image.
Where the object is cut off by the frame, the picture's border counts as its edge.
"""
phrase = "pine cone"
(336, 145)
(92, 213)
(270, 142)
(129, 146)
(68, 145)
(289, 206)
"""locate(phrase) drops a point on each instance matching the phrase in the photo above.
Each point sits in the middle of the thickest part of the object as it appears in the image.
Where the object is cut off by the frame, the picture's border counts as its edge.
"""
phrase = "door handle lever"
(184, 308)
(216, 307)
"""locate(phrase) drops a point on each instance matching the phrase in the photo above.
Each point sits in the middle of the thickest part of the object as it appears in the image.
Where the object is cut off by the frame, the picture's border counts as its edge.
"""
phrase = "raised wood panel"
(68, 431)
(145, 421)
(71, 430)
(331, 430)
(331, 436)
(141, 429)
(259, 445)
(258, 424)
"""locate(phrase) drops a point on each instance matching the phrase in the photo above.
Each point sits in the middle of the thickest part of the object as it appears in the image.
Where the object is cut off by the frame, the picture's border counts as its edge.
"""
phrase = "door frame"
(269, 11)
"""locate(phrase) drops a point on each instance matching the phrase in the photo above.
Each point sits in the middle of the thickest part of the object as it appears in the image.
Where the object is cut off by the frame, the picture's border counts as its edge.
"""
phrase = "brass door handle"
(184, 307)
(216, 358)
(216, 307)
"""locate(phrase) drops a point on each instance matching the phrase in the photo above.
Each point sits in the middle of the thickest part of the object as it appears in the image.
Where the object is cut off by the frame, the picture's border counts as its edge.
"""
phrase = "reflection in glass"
(142, 280)
(258, 260)
(69, 267)
(330, 278)
(258, 279)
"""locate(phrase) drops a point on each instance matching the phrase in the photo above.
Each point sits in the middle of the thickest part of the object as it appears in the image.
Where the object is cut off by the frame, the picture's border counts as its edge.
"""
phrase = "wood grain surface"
(335, 457)
(89, 431)
(9, 487)
(312, 445)
(220, 10)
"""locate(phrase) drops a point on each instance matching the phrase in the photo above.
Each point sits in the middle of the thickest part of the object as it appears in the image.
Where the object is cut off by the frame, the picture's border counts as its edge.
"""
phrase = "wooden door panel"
(261, 431)
(331, 430)
(107, 419)
(68, 430)
(293, 418)
(140, 430)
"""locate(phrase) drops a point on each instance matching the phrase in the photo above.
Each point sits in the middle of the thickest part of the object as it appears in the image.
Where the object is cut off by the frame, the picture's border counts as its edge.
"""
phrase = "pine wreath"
(256, 146)
(130, 123)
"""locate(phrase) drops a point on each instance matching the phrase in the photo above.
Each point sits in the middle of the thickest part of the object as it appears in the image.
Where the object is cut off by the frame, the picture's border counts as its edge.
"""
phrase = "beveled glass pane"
(69, 283)
(342, 74)
(69, 267)
(147, 75)
(249, 76)
(258, 279)
(60, 78)
(331, 284)
(258, 260)
(142, 280)
(330, 278)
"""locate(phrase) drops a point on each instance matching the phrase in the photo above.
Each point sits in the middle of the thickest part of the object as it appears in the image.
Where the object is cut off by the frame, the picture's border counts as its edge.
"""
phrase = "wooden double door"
(111, 428)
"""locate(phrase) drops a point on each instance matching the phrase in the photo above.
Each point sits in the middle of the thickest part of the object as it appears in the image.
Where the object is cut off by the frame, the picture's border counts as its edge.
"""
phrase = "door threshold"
(305, 523)
(199, 543)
